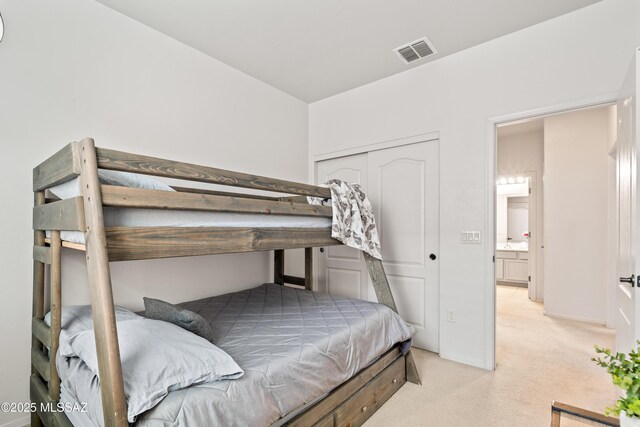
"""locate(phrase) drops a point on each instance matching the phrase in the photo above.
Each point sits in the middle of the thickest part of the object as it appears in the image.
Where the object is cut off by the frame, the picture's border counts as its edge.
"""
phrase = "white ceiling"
(313, 49)
(517, 128)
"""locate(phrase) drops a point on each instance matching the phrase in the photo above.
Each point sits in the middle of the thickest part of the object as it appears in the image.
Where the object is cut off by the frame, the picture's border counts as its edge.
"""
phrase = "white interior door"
(341, 269)
(627, 331)
(403, 188)
(402, 184)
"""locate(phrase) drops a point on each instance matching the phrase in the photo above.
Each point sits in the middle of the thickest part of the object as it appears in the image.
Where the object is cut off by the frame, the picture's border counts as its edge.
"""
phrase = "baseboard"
(20, 422)
(576, 318)
(512, 284)
(465, 361)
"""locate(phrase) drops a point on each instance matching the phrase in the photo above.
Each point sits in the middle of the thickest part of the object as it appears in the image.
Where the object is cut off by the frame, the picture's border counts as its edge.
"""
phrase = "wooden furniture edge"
(560, 408)
(156, 199)
(60, 167)
(136, 243)
(128, 162)
(319, 410)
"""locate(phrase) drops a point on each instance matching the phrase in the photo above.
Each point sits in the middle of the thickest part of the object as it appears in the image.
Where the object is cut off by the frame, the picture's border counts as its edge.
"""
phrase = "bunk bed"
(56, 219)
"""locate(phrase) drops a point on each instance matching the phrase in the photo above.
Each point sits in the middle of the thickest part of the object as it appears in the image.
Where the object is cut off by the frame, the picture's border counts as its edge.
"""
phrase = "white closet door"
(341, 269)
(403, 188)
(402, 184)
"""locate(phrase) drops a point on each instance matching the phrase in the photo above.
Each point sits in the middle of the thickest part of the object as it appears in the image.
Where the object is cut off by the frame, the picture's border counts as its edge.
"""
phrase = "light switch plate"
(470, 237)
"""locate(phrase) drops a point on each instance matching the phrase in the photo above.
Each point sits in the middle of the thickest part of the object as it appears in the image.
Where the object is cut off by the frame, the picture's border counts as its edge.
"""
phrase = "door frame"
(490, 206)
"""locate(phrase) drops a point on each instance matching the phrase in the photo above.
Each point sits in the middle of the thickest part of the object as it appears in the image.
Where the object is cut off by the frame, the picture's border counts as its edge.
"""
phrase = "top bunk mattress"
(294, 346)
(133, 217)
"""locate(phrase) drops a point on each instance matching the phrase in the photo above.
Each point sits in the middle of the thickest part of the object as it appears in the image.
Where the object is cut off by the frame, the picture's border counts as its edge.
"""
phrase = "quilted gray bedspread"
(294, 346)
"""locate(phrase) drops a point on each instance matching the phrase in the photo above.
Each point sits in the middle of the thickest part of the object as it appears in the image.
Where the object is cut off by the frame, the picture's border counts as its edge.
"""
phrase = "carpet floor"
(540, 359)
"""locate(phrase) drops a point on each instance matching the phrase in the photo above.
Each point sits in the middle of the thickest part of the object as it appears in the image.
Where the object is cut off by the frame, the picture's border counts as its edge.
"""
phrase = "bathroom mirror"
(512, 214)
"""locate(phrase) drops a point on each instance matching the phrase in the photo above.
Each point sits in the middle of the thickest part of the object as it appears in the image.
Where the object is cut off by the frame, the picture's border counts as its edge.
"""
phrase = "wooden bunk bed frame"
(349, 404)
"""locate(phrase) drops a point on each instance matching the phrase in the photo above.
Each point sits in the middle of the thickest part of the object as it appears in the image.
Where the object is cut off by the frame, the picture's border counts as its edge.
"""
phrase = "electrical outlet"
(451, 316)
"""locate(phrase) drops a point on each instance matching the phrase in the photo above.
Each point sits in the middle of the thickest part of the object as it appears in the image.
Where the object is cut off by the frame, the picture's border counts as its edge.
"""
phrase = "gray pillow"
(157, 357)
(161, 310)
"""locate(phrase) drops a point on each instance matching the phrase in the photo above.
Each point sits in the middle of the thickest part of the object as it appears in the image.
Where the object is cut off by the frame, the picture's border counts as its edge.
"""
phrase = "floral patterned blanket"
(353, 222)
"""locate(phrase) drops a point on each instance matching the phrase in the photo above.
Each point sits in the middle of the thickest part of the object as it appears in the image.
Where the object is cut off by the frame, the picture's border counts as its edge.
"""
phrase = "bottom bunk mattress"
(294, 346)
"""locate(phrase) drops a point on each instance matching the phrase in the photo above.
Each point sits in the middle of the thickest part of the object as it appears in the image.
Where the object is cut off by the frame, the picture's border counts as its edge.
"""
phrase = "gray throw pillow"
(161, 310)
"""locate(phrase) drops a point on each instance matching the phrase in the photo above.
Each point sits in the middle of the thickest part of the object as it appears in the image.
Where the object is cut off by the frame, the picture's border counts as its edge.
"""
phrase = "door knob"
(322, 250)
(432, 257)
(631, 280)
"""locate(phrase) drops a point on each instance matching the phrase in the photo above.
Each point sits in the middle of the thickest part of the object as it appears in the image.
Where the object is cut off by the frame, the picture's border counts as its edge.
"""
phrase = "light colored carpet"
(540, 359)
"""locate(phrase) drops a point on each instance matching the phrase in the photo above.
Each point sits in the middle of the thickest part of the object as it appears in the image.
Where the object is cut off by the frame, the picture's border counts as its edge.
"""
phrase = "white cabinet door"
(341, 269)
(404, 190)
(515, 270)
(499, 269)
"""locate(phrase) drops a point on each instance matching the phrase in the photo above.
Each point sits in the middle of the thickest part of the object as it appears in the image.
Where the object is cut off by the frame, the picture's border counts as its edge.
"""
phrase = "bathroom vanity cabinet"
(512, 266)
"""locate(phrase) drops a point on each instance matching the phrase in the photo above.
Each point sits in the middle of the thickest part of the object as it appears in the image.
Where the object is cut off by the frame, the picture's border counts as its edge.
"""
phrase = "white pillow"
(78, 318)
(157, 357)
(70, 189)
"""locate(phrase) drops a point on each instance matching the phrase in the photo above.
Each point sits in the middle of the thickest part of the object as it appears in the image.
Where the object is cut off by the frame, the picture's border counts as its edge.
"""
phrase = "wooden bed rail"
(127, 162)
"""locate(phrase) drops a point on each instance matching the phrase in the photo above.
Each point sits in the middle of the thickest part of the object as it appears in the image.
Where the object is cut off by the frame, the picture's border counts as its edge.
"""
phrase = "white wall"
(74, 68)
(576, 184)
(573, 58)
(524, 152)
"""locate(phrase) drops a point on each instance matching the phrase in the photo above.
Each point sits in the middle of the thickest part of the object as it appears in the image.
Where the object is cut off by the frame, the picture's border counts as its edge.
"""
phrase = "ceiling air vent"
(415, 50)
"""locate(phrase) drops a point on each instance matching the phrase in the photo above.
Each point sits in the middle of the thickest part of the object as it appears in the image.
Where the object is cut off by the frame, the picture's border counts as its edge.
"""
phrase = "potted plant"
(625, 372)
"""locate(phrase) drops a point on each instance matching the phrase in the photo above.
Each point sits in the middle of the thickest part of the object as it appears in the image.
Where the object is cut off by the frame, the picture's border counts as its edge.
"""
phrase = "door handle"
(631, 280)
(432, 257)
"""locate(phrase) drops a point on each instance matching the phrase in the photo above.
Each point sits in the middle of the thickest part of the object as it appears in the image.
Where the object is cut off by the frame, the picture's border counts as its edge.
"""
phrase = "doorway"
(402, 183)
(552, 227)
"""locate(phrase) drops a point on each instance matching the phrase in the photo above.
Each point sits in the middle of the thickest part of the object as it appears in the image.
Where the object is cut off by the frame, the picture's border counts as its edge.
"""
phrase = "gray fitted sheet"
(294, 346)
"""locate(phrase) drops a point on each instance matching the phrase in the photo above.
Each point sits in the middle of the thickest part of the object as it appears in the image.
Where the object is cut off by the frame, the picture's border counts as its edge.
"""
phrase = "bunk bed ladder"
(103, 310)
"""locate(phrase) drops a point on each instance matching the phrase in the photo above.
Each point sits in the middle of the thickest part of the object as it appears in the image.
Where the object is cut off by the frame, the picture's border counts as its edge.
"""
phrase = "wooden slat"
(278, 267)
(308, 268)
(224, 193)
(39, 396)
(344, 391)
(41, 331)
(294, 280)
(42, 254)
(156, 199)
(131, 243)
(57, 169)
(104, 319)
(63, 215)
(41, 362)
(118, 160)
(70, 245)
(557, 407)
(56, 312)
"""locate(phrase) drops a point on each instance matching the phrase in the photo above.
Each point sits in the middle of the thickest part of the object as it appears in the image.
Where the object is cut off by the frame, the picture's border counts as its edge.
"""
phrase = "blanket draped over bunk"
(353, 221)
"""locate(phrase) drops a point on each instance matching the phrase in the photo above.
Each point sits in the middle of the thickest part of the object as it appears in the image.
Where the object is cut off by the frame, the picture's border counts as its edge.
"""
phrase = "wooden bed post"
(38, 294)
(278, 266)
(56, 312)
(308, 268)
(384, 295)
(104, 320)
